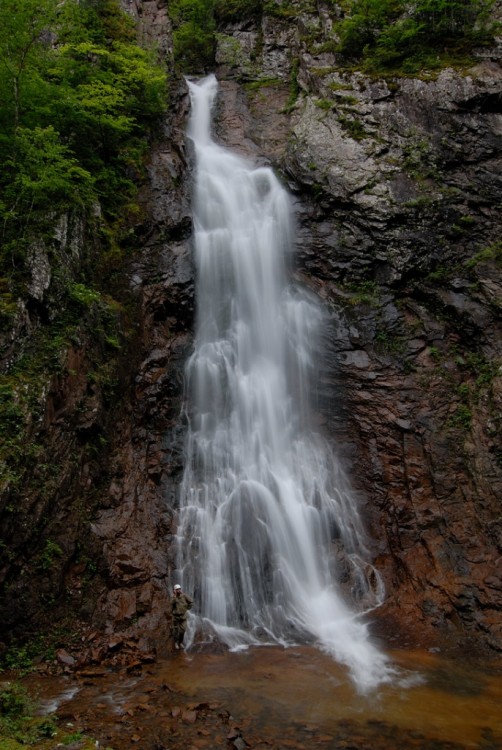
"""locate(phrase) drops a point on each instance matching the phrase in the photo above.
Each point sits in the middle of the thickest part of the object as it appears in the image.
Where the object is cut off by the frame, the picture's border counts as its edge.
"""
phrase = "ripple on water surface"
(431, 698)
(287, 698)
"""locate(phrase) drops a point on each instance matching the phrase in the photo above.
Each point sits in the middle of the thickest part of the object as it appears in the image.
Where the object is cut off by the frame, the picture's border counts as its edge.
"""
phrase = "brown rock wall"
(411, 387)
(396, 188)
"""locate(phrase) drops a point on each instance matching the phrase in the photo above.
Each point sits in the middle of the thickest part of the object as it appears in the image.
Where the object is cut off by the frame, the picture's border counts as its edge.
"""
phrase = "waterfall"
(270, 541)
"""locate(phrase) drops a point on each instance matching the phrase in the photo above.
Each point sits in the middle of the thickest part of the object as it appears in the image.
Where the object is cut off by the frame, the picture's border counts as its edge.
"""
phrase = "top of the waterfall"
(202, 96)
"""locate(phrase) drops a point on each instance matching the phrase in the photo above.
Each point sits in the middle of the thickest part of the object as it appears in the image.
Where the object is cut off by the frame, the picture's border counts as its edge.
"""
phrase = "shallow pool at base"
(277, 698)
(430, 695)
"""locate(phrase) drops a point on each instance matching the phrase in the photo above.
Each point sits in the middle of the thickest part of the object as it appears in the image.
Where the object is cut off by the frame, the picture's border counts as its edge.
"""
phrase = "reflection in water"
(285, 698)
(434, 701)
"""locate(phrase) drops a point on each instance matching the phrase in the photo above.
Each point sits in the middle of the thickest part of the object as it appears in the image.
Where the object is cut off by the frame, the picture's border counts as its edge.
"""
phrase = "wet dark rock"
(414, 195)
(396, 188)
(189, 716)
(65, 658)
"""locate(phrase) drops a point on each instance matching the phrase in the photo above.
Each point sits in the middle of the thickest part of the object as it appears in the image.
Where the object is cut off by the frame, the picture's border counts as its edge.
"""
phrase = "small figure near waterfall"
(180, 604)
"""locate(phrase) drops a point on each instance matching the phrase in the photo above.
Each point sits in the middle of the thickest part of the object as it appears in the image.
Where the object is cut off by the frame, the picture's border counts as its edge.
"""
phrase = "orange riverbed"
(282, 698)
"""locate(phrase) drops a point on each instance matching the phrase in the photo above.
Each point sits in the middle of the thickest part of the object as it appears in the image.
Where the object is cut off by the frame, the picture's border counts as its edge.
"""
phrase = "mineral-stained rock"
(388, 181)
(396, 188)
(393, 184)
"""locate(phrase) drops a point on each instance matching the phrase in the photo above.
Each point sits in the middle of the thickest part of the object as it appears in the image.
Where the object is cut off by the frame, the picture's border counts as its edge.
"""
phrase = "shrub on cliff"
(227, 11)
(77, 97)
(78, 100)
(422, 34)
(195, 23)
(193, 36)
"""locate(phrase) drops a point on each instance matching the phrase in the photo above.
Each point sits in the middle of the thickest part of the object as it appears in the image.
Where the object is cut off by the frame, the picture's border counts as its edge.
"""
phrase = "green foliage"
(418, 158)
(47, 729)
(194, 34)
(24, 58)
(19, 658)
(14, 701)
(99, 21)
(12, 414)
(294, 86)
(353, 126)
(467, 221)
(396, 34)
(363, 24)
(345, 100)
(73, 737)
(420, 204)
(195, 23)
(15, 709)
(261, 83)
(8, 304)
(19, 727)
(364, 293)
(78, 95)
(461, 418)
(435, 353)
(50, 553)
(440, 274)
(492, 253)
(44, 173)
(83, 295)
(23, 388)
(78, 100)
(390, 343)
(226, 11)
(335, 86)
(481, 368)
(469, 386)
(325, 104)
(284, 10)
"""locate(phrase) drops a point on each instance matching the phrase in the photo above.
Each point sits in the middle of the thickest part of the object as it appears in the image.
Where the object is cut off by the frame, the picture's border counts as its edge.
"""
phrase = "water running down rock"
(270, 540)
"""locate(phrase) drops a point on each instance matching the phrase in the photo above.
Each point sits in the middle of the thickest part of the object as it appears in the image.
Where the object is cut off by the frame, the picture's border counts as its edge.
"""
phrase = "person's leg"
(181, 635)
(176, 635)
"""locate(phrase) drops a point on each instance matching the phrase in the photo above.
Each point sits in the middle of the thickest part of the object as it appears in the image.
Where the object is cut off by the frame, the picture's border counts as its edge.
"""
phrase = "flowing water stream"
(279, 699)
(270, 540)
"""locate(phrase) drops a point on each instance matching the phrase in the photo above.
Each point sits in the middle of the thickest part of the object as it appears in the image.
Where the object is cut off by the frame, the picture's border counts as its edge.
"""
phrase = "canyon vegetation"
(383, 119)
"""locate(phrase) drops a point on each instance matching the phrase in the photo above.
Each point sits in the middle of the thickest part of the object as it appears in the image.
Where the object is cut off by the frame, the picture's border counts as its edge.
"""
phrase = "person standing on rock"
(180, 604)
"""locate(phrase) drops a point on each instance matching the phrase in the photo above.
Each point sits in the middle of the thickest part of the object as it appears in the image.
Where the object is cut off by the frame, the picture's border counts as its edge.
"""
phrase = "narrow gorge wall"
(396, 186)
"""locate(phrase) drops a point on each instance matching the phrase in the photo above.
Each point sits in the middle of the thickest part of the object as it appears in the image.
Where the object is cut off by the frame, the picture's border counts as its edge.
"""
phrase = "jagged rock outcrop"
(135, 522)
(57, 456)
(396, 184)
(396, 189)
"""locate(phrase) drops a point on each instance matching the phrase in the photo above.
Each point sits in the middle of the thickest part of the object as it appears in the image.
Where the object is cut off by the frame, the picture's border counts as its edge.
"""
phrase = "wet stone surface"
(281, 699)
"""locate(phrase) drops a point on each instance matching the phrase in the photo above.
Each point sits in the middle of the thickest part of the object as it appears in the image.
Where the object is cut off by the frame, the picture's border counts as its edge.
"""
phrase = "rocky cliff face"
(396, 186)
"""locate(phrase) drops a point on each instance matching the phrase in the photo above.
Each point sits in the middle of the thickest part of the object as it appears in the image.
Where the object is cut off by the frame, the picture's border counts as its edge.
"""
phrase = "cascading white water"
(269, 537)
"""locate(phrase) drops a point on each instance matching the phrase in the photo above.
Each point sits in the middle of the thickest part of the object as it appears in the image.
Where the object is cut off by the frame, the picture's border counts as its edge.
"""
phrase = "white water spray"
(269, 537)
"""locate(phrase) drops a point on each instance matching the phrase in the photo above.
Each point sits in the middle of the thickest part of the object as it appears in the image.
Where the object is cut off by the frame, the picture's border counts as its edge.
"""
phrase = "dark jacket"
(180, 606)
